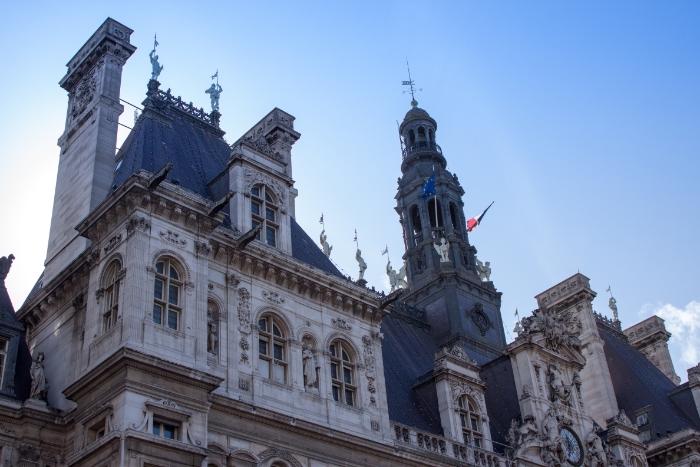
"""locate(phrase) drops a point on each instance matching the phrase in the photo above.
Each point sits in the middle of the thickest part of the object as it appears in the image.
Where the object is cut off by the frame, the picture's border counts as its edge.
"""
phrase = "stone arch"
(277, 312)
(176, 256)
(269, 456)
(106, 264)
(304, 331)
(244, 455)
(346, 338)
(217, 300)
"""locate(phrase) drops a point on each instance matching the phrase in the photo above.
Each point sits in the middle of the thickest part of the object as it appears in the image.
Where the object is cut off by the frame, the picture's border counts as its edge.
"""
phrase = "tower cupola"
(418, 135)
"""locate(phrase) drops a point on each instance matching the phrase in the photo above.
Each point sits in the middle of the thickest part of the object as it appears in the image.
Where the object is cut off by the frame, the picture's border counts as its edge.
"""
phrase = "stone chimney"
(651, 338)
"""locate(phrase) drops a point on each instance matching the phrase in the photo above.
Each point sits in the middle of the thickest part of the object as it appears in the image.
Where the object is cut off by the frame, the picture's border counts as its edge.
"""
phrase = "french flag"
(475, 221)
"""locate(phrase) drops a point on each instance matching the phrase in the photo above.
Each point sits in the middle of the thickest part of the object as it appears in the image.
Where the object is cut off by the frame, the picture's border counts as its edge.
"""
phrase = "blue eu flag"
(429, 188)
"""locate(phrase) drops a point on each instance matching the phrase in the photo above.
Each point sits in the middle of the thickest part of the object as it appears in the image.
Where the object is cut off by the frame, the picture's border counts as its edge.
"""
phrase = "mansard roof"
(23, 362)
(306, 250)
(501, 397)
(639, 384)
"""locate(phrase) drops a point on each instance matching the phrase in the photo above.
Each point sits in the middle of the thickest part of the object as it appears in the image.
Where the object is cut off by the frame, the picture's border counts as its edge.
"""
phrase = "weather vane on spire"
(411, 85)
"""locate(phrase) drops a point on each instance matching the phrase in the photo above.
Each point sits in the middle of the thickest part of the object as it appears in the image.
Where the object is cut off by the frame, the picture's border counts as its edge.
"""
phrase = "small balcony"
(421, 146)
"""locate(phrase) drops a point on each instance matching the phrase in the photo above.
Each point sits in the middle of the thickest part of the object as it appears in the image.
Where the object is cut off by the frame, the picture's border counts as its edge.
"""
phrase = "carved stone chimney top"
(651, 329)
(565, 290)
(111, 36)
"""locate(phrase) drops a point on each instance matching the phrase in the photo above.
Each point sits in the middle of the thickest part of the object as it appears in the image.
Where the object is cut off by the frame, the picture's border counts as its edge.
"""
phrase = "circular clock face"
(572, 446)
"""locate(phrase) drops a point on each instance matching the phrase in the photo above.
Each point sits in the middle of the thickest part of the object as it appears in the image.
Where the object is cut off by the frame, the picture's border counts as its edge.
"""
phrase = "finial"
(157, 68)
(410, 84)
(214, 92)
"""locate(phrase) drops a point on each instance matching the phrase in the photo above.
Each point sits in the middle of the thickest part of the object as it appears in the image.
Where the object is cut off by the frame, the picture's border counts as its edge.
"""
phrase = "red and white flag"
(474, 221)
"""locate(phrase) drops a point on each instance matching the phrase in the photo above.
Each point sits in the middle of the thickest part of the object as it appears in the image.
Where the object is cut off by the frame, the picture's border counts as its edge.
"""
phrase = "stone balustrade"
(408, 436)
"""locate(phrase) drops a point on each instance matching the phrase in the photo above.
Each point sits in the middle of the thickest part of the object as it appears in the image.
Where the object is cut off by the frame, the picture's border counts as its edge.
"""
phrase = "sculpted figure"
(5, 264)
(309, 367)
(552, 451)
(484, 270)
(157, 68)
(528, 430)
(612, 304)
(214, 92)
(361, 263)
(39, 381)
(324, 243)
(212, 335)
(560, 391)
(443, 249)
(596, 456)
(396, 280)
(513, 437)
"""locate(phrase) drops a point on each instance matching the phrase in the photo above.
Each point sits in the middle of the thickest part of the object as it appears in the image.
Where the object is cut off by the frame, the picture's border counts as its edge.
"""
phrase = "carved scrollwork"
(244, 310)
(137, 223)
(172, 237)
(253, 177)
(340, 323)
(113, 242)
(480, 319)
(273, 297)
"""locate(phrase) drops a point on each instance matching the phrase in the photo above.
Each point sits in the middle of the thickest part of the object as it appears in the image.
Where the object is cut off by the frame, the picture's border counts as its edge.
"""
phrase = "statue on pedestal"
(443, 249)
(214, 92)
(361, 263)
(157, 68)
(39, 381)
(307, 356)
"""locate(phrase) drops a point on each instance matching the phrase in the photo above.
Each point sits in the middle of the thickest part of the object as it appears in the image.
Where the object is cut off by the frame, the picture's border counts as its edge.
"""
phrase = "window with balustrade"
(343, 383)
(470, 421)
(272, 348)
(265, 213)
(168, 295)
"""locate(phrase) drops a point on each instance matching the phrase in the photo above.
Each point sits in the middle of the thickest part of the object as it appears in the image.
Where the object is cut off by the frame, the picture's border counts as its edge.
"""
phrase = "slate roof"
(8, 319)
(638, 384)
(408, 353)
(306, 250)
(501, 398)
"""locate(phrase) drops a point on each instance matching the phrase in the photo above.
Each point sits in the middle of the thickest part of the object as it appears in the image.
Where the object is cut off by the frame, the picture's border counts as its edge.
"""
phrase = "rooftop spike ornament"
(157, 67)
(410, 84)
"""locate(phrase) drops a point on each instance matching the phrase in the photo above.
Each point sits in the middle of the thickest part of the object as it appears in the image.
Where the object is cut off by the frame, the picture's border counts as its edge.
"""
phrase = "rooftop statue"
(157, 68)
(214, 92)
(484, 270)
(443, 249)
(612, 304)
(324, 243)
(361, 263)
(5, 264)
(397, 280)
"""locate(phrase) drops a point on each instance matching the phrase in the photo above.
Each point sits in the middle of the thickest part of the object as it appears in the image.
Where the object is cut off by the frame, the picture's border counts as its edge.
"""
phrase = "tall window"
(264, 212)
(342, 373)
(3, 355)
(167, 295)
(470, 421)
(272, 358)
(111, 281)
(417, 226)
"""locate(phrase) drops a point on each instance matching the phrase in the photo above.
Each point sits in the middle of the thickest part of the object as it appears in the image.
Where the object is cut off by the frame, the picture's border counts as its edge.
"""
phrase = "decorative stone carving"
(419, 263)
(557, 329)
(212, 329)
(245, 346)
(443, 249)
(202, 248)
(397, 280)
(374, 424)
(137, 223)
(28, 452)
(244, 310)
(5, 265)
(459, 388)
(552, 451)
(274, 452)
(172, 237)
(93, 258)
(232, 280)
(83, 93)
(484, 270)
(113, 242)
(595, 454)
(624, 420)
(310, 365)
(519, 436)
(273, 297)
(253, 177)
(458, 352)
(361, 263)
(577, 384)
(559, 391)
(527, 391)
(244, 385)
(340, 323)
(39, 381)
(480, 319)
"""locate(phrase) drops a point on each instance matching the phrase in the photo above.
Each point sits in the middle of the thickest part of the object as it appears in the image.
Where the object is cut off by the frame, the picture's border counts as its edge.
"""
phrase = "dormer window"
(264, 212)
(470, 421)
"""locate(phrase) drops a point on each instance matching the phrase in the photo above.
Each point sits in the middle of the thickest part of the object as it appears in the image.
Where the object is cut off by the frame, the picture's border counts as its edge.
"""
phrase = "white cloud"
(684, 325)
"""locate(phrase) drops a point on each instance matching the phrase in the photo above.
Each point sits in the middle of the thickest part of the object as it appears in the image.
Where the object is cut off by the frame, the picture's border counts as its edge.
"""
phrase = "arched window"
(167, 294)
(342, 373)
(454, 217)
(111, 286)
(272, 348)
(421, 133)
(470, 421)
(264, 212)
(417, 226)
(437, 230)
(431, 136)
(411, 136)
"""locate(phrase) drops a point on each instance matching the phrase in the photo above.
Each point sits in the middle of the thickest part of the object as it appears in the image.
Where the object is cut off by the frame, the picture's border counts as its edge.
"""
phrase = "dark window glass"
(348, 397)
(336, 396)
(158, 292)
(255, 208)
(255, 191)
(156, 429)
(172, 319)
(276, 330)
(173, 292)
(157, 311)
(345, 356)
(173, 273)
(270, 214)
(159, 268)
(475, 424)
(477, 442)
(278, 352)
(463, 419)
(168, 431)
(262, 347)
(271, 234)
(347, 375)
(334, 371)
(332, 349)
(262, 324)
(267, 197)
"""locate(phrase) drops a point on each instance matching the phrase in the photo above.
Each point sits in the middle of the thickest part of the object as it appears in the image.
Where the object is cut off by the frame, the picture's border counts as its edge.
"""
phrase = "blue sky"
(579, 119)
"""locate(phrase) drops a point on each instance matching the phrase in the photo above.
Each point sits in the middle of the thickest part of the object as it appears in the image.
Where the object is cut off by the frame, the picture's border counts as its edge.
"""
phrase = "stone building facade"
(184, 318)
